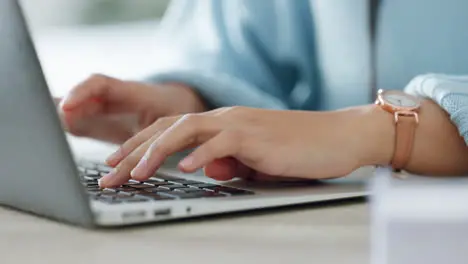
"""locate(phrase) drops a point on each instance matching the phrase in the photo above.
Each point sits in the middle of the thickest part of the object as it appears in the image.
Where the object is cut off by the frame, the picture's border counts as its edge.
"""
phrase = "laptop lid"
(37, 171)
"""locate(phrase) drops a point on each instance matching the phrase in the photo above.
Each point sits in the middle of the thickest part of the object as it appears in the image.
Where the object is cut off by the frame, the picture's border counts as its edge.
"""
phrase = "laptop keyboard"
(159, 188)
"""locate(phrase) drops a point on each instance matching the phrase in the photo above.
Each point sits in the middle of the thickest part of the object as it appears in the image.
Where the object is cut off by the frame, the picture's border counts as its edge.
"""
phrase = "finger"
(221, 169)
(72, 119)
(93, 88)
(157, 128)
(223, 145)
(226, 169)
(153, 131)
(187, 132)
(121, 173)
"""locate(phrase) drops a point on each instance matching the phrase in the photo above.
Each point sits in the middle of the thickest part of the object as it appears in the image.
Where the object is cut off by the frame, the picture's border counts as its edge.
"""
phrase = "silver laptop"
(40, 174)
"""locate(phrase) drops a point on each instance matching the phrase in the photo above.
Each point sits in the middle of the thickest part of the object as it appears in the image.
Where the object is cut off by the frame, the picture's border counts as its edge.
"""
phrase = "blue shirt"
(316, 55)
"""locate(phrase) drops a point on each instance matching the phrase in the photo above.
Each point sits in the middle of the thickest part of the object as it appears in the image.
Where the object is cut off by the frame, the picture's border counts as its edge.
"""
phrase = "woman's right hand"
(113, 110)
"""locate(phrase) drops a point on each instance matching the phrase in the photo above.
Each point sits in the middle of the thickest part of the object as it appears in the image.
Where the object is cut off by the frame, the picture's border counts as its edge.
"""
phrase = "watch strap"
(404, 139)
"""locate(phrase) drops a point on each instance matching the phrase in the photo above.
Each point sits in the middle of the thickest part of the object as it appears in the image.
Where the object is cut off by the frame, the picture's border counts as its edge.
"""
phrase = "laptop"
(41, 175)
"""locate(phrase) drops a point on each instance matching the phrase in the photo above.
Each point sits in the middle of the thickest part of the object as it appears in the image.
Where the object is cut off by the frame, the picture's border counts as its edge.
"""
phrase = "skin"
(251, 143)
(113, 110)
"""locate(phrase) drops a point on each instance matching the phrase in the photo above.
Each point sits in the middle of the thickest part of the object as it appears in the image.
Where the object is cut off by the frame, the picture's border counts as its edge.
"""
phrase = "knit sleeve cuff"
(450, 92)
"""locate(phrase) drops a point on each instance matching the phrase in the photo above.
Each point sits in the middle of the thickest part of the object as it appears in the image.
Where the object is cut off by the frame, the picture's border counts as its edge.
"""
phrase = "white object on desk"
(419, 220)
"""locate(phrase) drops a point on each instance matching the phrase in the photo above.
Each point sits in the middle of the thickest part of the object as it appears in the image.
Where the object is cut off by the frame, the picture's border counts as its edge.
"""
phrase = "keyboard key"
(95, 177)
(203, 185)
(125, 189)
(88, 178)
(187, 190)
(172, 186)
(158, 183)
(108, 191)
(155, 189)
(93, 188)
(133, 181)
(151, 180)
(185, 182)
(91, 185)
(90, 182)
(138, 185)
(167, 177)
(92, 173)
(129, 193)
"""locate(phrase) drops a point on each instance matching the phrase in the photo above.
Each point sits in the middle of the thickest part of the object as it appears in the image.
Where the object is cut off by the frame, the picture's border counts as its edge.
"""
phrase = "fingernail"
(141, 169)
(114, 158)
(187, 163)
(104, 181)
(66, 106)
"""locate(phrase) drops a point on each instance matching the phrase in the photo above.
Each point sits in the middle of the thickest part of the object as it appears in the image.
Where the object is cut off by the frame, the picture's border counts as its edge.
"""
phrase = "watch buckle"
(407, 114)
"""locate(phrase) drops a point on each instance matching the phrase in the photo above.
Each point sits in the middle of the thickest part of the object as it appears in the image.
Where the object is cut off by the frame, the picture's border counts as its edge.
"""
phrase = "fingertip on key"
(187, 164)
(141, 170)
(106, 180)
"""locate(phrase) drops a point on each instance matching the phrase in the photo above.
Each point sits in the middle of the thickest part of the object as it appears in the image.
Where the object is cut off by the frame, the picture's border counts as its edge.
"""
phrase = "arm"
(447, 108)
(440, 146)
(246, 142)
(237, 52)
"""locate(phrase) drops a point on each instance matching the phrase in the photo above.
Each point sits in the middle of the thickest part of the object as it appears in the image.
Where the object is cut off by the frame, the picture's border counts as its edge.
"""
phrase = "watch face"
(399, 99)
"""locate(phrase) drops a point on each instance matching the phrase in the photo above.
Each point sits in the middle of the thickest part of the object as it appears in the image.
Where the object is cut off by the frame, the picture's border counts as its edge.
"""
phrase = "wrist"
(374, 131)
(187, 98)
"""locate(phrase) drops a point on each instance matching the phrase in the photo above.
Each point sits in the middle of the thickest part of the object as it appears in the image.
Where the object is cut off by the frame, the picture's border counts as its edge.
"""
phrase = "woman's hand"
(245, 142)
(113, 110)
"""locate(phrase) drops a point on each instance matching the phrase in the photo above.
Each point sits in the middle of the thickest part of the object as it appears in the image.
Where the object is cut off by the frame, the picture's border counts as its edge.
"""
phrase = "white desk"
(321, 234)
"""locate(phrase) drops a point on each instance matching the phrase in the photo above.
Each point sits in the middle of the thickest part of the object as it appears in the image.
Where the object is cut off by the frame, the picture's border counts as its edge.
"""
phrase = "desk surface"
(332, 233)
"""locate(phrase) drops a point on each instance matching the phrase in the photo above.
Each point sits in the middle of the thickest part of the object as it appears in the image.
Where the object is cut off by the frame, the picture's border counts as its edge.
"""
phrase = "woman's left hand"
(242, 142)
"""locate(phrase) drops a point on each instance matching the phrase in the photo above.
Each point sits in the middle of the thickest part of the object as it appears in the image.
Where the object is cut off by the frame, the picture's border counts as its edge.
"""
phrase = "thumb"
(226, 169)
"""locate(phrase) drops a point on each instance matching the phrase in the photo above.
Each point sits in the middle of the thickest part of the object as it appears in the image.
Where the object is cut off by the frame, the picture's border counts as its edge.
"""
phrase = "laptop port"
(133, 215)
(162, 212)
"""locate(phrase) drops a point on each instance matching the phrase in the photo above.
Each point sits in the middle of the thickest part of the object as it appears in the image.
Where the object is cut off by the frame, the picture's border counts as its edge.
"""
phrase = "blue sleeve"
(450, 92)
(239, 52)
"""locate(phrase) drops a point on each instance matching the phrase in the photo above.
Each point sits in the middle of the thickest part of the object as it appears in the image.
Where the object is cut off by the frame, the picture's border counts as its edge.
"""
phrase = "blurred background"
(77, 38)
(44, 14)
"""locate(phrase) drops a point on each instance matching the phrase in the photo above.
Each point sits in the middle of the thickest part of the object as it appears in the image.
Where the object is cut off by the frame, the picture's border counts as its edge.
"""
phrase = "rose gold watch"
(405, 109)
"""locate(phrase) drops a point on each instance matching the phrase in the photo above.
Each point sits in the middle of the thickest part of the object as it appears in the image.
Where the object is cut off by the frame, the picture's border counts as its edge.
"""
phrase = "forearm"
(438, 147)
